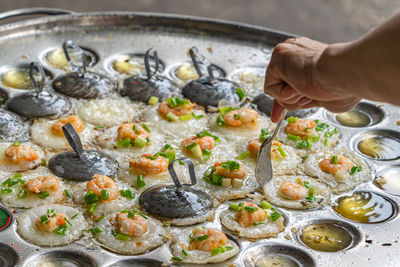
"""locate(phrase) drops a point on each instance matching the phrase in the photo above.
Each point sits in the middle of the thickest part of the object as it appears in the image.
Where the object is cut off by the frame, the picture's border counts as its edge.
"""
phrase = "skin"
(304, 73)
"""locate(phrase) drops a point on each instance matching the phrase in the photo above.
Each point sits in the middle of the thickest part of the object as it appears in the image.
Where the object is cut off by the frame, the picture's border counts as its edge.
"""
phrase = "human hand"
(298, 76)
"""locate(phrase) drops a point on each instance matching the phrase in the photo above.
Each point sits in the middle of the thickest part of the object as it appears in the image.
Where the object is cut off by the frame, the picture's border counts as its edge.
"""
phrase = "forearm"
(368, 67)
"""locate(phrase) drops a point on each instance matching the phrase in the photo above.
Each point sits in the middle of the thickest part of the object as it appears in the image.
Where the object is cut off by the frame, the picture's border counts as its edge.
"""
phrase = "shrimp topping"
(132, 225)
(176, 106)
(20, 154)
(102, 182)
(43, 183)
(250, 215)
(244, 117)
(56, 128)
(207, 239)
(50, 222)
(301, 128)
(333, 164)
(205, 142)
(293, 191)
(229, 169)
(148, 166)
(132, 131)
(253, 146)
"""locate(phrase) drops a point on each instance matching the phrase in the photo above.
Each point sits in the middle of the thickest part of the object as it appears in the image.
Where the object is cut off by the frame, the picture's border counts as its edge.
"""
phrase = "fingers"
(276, 113)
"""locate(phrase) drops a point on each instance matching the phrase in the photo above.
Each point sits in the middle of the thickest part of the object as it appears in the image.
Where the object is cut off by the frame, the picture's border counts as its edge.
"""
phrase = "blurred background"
(324, 20)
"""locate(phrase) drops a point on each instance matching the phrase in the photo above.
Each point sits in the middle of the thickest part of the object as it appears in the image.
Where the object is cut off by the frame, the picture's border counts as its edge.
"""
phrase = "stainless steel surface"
(228, 45)
(264, 165)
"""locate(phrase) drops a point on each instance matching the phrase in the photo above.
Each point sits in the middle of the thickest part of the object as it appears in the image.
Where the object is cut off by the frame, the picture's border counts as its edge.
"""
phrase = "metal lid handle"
(71, 45)
(39, 87)
(73, 138)
(147, 58)
(175, 178)
(198, 58)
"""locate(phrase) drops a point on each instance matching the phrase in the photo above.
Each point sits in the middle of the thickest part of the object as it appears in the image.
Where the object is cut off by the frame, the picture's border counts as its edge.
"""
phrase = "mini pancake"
(107, 112)
(281, 165)
(78, 192)
(19, 197)
(271, 192)
(152, 238)
(322, 137)
(181, 240)
(268, 229)
(108, 139)
(221, 193)
(9, 166)
(342, 181)
(235, 134)
(29, 231)
(175, 130)
(42, 135)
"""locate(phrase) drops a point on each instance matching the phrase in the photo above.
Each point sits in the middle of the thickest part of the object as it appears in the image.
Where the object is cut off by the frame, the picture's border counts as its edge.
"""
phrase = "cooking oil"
(353, 118)
(128, 65)
(327, 237)
(379, 147)
(57, 59)
(18, 79)
(389, 181)
(365, 207)
(275, 261)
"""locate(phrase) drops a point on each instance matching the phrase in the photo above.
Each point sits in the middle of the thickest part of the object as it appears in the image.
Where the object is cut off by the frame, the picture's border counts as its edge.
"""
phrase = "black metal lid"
(81, 83)
(12, 127)
(141, 87)
(81, 164)
(178, 200)
(208, 90)
(40, 103)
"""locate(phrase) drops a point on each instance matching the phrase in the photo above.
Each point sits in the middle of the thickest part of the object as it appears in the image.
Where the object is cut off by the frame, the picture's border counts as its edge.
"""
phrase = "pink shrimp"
(53, 222)
(20, 154)
(244, 117)
(148, 166)
(215, 239)
(344, 163)
(43, 183)
(132, 131)
(302, 127)
(292, 191)
(135, 226)
(102, 182)
(205, 142)
(56, 128)
(239, 173)
(247, 218)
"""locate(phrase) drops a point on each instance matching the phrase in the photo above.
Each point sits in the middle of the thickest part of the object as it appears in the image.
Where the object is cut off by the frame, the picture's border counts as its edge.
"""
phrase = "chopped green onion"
(251, 209)
(355, 169)
(234, 206)
(43, 194)
(258, 223)
(328, 134)
(240, 93)
(192, 145)
(127, 142)
(240, 206)
(145, 127)
(96, 230)
(186, 117)
(202, 238)
(5, 190)
(306, 184)
(44, 219)
(275, 215)
(122, 237)
(44, 162)
(225, 110)
(140, 142)
(135, 129)
(22, 194)
(92, 208)
(91, 197)
(143, 215)
(17, 143)
(152, 100)
(322, 127)
(230, 165)
(104, 194)
(174, 102)
(335, 159)
(294, 138)
(61, 230)
(236, 116)
(292, 119)
(228, 248)
(166, 223)
(140, 181)
(265, 205)
(216, 251)
(282, 152)
(197, 117)
(244, 155)
(311, 190)
(220, 121)
(67, 194)
(315, 139)
(127, 193)
(66, 219)
(99, 127)
(184, 252)
(74, 216)
(191, 237)
(326, 142)
(336, 130)
(172, 117)
(175, 258)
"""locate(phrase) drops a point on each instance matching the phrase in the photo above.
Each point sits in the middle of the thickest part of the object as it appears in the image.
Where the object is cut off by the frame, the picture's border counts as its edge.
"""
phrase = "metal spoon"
(264, 165)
